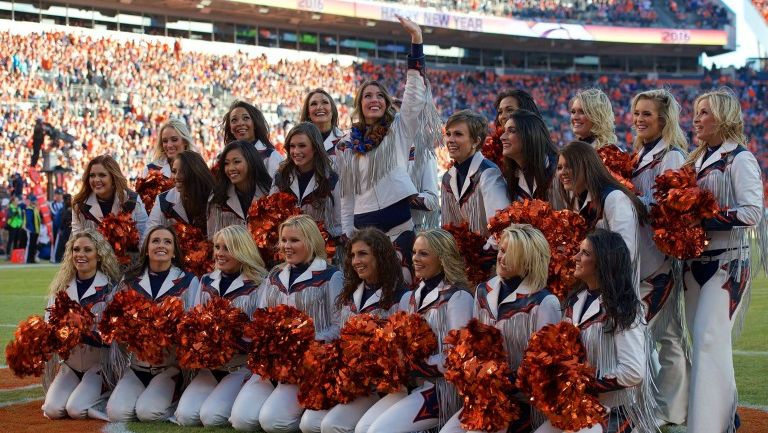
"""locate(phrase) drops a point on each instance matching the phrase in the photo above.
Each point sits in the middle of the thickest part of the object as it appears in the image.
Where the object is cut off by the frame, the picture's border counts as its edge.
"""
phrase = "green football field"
(23, 292)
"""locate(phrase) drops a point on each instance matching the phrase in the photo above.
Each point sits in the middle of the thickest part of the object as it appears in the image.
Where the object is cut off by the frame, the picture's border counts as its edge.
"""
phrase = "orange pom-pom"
(33, 345)
(618, 162)
(121, 232)
(318, 383)
(470, 246)
(198, 250)
(558, 381)
(362, 371)
(69, 321)
(477, 365)
(148, 188)
(264, 218)
(492, 147)
(209, 334)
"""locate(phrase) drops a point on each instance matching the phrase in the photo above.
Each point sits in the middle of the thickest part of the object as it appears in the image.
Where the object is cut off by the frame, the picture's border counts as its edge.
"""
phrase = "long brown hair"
(357, 113)
(258, 176)
(387, 264)
(321, 164)
(585, 164)
(119, 182)
(305, 108)
(537, 149)
(198, 184)
(260, 125)
(138, 268)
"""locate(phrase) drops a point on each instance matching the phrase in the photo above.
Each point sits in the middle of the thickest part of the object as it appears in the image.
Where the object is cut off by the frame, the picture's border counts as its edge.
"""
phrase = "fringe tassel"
(51, 370)
(448, 399)
(472, 211)
(116, 361)
(679, 306)
(218, 219)
(311, 300)
(247, 304)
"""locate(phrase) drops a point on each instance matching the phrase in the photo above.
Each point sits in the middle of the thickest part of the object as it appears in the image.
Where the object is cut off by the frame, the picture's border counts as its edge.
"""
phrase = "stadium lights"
(316, 17)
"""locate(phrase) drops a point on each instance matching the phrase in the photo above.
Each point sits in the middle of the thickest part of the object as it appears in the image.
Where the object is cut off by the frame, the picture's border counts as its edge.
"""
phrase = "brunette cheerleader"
(508, 101)
(308, 175)
(88, 274)
(172, 139)
(103, 191)
(608, 313)
(660, 145)
(517, 303)
(717, 283)
(185, 202)
(592, 119)
(307, 282)
(320, 109)
(239, 273)
(147, 391)
(244, 122)
(445, 303)
(241, 179)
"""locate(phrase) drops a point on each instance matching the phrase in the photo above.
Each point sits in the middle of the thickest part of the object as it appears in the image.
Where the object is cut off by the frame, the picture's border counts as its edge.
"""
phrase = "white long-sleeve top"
(89, 215)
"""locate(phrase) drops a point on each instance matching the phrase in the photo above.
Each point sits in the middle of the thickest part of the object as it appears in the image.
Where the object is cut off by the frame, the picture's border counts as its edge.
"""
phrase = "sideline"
(28, 265)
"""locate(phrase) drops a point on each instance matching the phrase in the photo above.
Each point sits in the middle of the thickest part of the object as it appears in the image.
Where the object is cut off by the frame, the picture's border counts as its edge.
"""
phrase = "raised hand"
(412, 28)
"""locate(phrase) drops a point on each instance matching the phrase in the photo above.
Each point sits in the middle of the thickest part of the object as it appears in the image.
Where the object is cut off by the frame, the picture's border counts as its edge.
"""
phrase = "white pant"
(403, 415)
(281, 413)
(209, 402)
(131, 400)
(248, 404)
(343, 418)
(70, 395)
(311, 420)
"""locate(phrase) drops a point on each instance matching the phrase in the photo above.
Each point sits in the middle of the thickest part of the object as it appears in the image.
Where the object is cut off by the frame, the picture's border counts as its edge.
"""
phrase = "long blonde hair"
(669, 115)
(444, 246)
(313, 239)
(107, 262)
(527, 253)
(242, 247)
(597, 107)
(158, 154)
(727, 111)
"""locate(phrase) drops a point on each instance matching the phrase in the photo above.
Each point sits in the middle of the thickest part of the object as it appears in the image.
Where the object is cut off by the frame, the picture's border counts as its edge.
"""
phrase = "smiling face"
(426, 264)
(374, 104)
(236, 168)
(223, 258)
(241, 124)
(364, 262)
(459, 143)
(586, 264)
(178, 176)
(506, 107)
(172, 142)
(101, 182)
(160, 250)
(580, 124)
(293, 246)
(511, 146)
(301, 151)
(320, 111)
(84, 257)
(705, 125)
(501, 268)
(645, 119)
(566, 176)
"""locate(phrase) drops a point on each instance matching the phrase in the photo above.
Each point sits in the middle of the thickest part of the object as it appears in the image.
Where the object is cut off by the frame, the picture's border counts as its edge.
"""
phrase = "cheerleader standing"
(718, 281)
(320, 109)
(660, 145)
(592, 119)
(244, 122)
(147, 391)
(516, 302)
(239, 272)
(185, 202)
(88, 274)
(444, 302)
(308, 283)
(606, 310)
(173, 138)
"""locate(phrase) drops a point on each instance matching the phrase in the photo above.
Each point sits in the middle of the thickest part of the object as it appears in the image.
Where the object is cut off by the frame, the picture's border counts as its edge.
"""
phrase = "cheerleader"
(718, 281)
(307, 282)
(592, 118)
(608, 313)
(320, 109)
(425, 205)
(239, 273)
(244, 122)
(473, 189)
(88, 274)
(241, 179)
(445, 303)
(660, 145)
(103, 191)
(173, 138)
(185, 202)
(147, 391)
(308, 175)
(373, 160)
(530, 157)
(508, 101)
(517, 303)
(373, 284)
(587, 187)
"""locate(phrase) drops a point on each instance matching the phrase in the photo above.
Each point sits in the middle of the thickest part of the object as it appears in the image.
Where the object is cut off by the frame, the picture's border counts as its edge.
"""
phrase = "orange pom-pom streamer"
(363, 371)
(557, 379)
(563, 229)
(280, 337)
(121, 232)
(148, 188)
(492, 147)
(676, 216)
(618, 163)
(69, 321)
(318, 384)
(209, 334)
(33, 345)
(477, 365)
(470, 246)
(198, 250)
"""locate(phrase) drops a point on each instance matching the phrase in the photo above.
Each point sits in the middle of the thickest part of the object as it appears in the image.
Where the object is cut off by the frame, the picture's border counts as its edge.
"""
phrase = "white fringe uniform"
(132, 399)
(426, 210)
(76, 391)
(313, 292)
(330, 144)
(231, 213)
(168, 209)
(445, 308)
(717, 285)
(209, 398)
(660, 289)
(329, 212)
(518, 316)
(271, 157)
(91, 214)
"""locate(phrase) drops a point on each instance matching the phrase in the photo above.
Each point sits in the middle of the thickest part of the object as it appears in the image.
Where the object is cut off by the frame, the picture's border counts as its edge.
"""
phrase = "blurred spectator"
(31, 226)
(65, 229)
(14, 224)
